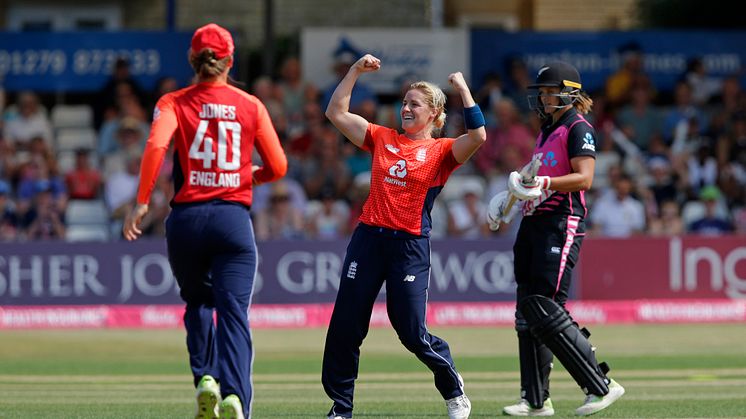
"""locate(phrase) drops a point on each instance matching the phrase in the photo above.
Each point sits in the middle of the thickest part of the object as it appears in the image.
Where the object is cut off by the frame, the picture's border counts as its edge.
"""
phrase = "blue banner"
(597, 54)
(83, 61)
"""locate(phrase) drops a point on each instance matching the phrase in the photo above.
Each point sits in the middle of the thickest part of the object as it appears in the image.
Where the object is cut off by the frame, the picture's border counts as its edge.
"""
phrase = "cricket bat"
(527, 173)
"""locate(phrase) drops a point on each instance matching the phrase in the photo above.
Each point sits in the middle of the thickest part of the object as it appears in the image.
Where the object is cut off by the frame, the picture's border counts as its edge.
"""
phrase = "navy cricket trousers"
(374, 256)
(213, 256)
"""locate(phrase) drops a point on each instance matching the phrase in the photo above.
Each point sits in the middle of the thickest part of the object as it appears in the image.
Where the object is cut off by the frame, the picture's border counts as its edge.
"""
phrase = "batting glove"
(497, 211)
(527, 191)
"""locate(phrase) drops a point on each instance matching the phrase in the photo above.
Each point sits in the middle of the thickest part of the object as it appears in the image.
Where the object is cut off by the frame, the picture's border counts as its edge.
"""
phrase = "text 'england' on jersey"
(214, 141)
(406, 177)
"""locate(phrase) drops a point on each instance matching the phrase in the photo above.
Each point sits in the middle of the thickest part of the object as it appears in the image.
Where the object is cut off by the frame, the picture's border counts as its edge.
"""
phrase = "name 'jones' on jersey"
(202, 147)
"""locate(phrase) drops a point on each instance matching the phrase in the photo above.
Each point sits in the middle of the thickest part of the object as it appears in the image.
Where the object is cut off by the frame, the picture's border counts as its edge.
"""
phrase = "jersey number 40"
(202, 149)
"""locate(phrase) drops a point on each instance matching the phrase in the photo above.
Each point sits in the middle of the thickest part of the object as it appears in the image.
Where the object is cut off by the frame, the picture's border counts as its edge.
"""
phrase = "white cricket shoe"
(523, 408)
(208, 396)
(459, 407)
(231, 408)
(595, 403)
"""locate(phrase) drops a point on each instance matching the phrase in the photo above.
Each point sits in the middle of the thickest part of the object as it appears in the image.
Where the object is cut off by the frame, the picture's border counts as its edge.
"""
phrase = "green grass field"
(681, 371)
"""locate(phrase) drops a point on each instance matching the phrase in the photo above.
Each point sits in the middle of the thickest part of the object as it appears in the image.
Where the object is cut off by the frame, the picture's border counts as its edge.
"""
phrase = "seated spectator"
(120, 83)
(517, 86)
(679, 119)
(8, 218)
(294, 93)
(508, 132)
(83, 182)
(669, 222)
(120, 189)
(344, 58)
(124, 135)
(618, 214)
(261, 195)
(662, 181)
(711, 224)
(467, 216)
(619, 84)
(703, 86)
(325, 168)
(640, 121)
(30, 122)
(44, 220)
(264, 89)
(327, 217)
(279, 220)
(702, 169)
(35, 176)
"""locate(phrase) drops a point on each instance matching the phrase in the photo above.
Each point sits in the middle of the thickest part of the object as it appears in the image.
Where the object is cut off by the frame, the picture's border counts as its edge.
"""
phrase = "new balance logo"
(391, 148)
(409, 278)
(555, 250)
(352, 270)
(421, 154)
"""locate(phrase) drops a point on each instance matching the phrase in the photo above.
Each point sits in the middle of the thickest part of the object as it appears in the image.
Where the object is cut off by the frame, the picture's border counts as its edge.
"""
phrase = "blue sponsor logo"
(549, 160)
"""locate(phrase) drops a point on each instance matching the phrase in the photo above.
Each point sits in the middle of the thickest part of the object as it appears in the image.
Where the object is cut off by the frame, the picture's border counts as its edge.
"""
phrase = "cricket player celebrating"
(391, 244)
(548, 246)
(209, 234)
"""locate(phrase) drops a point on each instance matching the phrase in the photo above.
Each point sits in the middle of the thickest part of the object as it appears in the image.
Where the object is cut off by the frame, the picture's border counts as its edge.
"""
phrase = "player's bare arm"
(467, 144)
(353, 126)
(580, 179)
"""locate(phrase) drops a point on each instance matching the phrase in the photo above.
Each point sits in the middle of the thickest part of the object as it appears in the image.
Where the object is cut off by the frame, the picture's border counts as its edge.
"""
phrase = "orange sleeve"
(164, 125)
(274, 162)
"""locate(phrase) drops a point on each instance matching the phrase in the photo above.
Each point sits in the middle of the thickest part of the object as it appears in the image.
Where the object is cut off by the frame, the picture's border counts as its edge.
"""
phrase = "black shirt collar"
(548, 127)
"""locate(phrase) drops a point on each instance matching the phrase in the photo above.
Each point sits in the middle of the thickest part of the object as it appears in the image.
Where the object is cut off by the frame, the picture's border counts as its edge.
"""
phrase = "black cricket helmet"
(555, 74)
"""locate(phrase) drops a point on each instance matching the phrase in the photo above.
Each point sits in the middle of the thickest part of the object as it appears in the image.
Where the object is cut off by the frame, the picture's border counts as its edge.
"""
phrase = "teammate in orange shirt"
(391, 244)
(209, 234)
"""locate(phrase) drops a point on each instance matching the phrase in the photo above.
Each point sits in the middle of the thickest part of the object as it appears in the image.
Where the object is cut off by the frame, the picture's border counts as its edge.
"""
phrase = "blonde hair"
(206, 65)
(435, 99)
(583, 103)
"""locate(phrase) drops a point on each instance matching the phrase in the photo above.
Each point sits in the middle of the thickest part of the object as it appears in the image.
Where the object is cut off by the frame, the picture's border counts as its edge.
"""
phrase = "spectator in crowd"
(279, 220)
(619, 85)
(711, 224)
(327, 217)
(326, 169)
(466, 215)
(640, 120)
(663, 182)
(31, 121)
(702, 169)
(123, 134)
(490, 94)
(264, 89)
(357, 160)
(680, 120)
(8, 160)
(120, 83)
(84, 181)
(618, 214)
(669, 222)
(261, 195)
(344, 58)
(294, 94)
(517, 86)
(299, 144)
(507, 133)
(120, 189)
(32, 175)
(164, 85)
(731, 156)
(703, 86)
(8, 217)
(44, 221)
